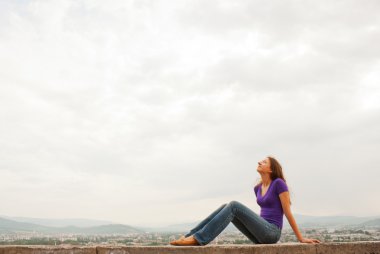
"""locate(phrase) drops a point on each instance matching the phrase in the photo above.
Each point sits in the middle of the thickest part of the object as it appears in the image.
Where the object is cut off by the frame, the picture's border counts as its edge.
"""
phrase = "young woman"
(272, 196)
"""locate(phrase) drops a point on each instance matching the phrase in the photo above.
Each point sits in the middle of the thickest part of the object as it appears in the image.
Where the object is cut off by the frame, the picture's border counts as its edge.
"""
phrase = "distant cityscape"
(327, 229)
(149, 239)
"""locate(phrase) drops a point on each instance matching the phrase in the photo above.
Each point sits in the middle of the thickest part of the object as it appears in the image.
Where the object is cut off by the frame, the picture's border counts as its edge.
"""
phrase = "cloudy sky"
(153, 113)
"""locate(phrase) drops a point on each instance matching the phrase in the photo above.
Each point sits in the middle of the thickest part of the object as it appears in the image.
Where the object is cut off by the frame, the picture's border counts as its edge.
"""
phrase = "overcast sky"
(153, 113)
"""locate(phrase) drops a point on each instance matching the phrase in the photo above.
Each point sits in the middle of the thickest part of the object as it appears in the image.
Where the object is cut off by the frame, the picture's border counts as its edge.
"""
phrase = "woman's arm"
(285, 202)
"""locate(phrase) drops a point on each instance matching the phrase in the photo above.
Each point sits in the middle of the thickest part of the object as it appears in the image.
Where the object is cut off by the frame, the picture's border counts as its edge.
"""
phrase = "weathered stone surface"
(349, 248)
(213, 249)
(291, 248)
(45, 249)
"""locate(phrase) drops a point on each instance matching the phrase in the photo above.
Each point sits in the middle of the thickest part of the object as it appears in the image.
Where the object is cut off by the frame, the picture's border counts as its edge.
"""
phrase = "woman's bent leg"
(261, 230)
(244, 230)
(205, 221)
(215, 226)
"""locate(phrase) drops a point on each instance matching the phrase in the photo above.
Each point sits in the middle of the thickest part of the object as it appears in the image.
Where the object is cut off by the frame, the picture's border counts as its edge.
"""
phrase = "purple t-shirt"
(271, 208)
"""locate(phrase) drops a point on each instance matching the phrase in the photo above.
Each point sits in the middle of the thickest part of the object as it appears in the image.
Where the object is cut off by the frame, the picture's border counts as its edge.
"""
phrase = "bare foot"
(174, 242)
(188, 241)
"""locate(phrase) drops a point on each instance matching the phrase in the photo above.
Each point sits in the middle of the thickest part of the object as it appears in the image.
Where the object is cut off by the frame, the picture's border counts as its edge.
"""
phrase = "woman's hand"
(309, 240)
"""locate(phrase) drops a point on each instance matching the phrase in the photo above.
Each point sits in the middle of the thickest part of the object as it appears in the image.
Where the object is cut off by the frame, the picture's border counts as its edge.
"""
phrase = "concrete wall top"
(366, 247)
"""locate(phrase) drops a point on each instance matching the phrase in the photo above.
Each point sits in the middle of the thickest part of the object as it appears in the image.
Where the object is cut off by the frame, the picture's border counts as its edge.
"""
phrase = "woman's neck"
(265, 180)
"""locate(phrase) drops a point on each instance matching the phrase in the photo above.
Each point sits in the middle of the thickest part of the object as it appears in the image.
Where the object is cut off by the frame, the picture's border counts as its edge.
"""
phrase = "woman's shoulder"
(280, 184)
(256, 187)
(278, 179)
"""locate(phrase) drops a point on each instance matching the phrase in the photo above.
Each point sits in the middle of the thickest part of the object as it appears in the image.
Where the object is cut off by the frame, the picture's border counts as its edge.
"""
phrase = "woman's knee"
(234, 203)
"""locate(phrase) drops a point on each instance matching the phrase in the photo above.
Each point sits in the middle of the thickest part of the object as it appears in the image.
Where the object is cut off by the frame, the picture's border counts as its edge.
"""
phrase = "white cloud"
(111, 111)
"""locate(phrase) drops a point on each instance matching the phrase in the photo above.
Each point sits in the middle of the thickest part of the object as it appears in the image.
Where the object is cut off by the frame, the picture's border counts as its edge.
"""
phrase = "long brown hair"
(276, 169)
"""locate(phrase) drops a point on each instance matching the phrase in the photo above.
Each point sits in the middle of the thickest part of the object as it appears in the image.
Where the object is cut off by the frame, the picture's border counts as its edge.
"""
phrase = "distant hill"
(59, 222)
(104, 229)
(373, 223)
(328, 221)
(8, 226)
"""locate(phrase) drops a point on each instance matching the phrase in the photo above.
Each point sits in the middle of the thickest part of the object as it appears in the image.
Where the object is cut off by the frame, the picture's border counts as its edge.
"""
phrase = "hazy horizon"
(154, 113)
(84, 222)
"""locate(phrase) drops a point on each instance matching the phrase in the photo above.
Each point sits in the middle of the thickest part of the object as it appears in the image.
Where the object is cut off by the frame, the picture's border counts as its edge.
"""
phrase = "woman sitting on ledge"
(273, 198)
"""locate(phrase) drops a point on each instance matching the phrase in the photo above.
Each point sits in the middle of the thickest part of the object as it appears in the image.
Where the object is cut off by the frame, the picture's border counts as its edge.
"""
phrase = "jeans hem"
(200, 243)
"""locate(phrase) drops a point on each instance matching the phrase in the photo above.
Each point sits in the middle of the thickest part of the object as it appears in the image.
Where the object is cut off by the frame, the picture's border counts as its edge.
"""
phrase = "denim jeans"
(257, 229)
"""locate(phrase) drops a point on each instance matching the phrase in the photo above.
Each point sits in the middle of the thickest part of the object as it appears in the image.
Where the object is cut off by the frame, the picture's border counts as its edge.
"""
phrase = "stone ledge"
(366, 247)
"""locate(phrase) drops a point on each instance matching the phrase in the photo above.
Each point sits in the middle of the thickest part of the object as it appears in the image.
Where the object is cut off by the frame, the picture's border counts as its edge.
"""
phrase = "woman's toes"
(174, 242)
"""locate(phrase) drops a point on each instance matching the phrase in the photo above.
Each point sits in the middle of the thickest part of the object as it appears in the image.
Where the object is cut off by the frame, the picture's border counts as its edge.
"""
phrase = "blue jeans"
(257, 229)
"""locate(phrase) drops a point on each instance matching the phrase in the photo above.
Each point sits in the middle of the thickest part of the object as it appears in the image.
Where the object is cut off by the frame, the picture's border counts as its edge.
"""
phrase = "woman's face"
(264, 166)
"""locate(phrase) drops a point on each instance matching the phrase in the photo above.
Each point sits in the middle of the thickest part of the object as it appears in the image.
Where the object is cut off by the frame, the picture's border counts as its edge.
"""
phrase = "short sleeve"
(281, 186)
